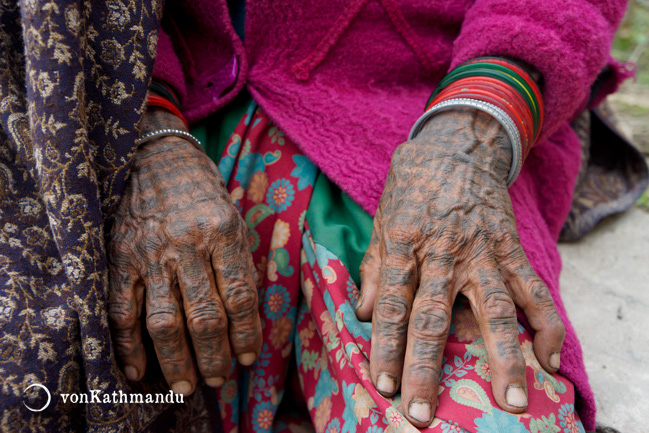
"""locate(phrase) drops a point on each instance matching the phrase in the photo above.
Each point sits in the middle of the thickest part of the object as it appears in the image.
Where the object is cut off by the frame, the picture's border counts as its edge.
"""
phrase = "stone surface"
(605, 286)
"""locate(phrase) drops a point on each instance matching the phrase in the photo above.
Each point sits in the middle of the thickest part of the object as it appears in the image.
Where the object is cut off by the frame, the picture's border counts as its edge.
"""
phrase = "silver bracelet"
(171, 133)
(494, 111)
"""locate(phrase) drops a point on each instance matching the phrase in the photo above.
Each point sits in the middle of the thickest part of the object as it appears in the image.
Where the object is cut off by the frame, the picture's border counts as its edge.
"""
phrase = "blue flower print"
(276, 301)
(334, 426)
(568, 421)
(262, 417)
(305, 171)
(499, 421)
(280, 195)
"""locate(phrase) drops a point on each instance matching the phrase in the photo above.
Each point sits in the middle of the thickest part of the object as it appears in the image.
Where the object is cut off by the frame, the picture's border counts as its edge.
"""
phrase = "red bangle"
(512, 99)
(486, 86)
(159, 101)
(473, 93)
(523, 73)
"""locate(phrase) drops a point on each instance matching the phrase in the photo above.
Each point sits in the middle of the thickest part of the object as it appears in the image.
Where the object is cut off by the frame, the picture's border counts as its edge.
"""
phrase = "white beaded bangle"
(494, 111)
(171, 133)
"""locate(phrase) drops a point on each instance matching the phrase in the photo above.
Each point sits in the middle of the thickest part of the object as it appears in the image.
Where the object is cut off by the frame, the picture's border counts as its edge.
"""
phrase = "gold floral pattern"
(73, 81)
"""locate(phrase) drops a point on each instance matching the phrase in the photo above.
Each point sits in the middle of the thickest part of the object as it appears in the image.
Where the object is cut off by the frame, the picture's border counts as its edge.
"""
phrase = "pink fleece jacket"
(346, 79)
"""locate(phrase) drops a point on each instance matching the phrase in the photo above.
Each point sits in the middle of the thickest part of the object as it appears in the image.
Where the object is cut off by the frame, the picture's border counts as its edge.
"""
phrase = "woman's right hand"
(445, 226)
(178, 250)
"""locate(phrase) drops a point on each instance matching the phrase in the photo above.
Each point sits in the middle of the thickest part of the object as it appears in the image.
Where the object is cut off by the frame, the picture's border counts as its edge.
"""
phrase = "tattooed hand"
(445, 226)
(179, 251)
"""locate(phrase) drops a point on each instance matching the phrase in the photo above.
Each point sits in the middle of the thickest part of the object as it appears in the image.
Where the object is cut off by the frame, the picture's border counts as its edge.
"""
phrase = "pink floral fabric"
(311, 333)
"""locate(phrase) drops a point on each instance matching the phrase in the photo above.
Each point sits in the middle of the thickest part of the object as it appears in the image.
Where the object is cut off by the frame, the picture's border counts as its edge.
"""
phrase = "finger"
(533, 297)
(391, 312)
(207, 322)
(427, 332)
(231, 262)
(370, 271)
(124, 310)
(496, 314)
(166, 327)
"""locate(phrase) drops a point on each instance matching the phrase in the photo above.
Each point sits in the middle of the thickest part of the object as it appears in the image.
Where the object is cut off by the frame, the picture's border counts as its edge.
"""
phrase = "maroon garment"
(346, 79)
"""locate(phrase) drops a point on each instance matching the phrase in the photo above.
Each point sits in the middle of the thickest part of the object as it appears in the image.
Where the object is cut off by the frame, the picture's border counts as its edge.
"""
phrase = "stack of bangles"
(169, 102)
(500, 88)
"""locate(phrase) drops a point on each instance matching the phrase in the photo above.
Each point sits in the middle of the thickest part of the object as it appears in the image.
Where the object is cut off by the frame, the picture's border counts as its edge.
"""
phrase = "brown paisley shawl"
(73, 81)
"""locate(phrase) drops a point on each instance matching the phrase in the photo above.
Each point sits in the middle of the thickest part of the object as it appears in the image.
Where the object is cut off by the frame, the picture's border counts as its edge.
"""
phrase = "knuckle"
(423, 371)
(541, 295)
(228, 222)
(431, 320)
(206, 322)
(497, 304)
(122, 315)
(125, 343)
(215, 365)
(241, 301)
(164, 325)
(392, 308)
(426, 351)
(499, 311)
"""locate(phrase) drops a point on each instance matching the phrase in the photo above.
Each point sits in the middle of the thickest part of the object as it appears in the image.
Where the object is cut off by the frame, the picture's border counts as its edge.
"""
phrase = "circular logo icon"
(49, 397)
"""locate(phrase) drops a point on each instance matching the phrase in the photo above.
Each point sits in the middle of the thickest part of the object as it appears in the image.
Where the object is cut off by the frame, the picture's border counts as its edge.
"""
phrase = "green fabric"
(339, 224)
(336, 221)
(215, 131)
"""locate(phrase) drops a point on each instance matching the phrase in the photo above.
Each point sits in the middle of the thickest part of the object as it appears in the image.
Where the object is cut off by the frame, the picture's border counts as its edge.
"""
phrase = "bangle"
(160, 88)
(508, 79)
(489, 97)
(171, 133)
(497, 94)
(159, 101)
(501, 88)
(500, 115)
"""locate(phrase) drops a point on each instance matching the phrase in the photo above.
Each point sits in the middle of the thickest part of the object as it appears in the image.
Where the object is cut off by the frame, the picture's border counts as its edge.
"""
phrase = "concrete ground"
(605, 286)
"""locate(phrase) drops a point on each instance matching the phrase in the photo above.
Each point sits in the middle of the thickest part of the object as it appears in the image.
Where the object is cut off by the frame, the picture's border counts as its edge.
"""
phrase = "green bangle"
(510, 72)
(483, 72)
(509, 76)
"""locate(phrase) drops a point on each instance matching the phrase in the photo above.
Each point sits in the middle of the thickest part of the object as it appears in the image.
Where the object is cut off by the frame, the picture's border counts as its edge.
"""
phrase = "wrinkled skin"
(179, 253)
(445, 226)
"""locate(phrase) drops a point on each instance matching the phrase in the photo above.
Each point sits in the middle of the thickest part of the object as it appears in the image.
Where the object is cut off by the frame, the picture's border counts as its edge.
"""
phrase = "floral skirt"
(313, 371)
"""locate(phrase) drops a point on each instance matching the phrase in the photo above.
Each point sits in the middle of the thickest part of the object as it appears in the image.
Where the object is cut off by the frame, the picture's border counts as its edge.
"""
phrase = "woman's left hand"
(445, 226)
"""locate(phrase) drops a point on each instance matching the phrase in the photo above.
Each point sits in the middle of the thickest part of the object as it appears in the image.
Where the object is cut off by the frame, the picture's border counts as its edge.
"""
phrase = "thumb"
(370, 271)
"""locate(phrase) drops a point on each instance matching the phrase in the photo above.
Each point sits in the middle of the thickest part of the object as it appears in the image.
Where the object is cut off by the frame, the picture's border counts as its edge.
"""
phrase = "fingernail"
(386, 384)
(215, 382)
(131, 373)
(419, 410)
(247, 358)
(516, 396)
(182, 387)
(555, 360)
(360, 302)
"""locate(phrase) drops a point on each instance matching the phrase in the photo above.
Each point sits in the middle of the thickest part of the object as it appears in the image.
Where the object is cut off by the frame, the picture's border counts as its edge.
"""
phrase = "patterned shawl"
(73, 81)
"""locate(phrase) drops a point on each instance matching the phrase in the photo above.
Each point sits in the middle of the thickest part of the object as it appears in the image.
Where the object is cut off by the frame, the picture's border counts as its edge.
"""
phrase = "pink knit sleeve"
(568, 41)
(167, 67)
